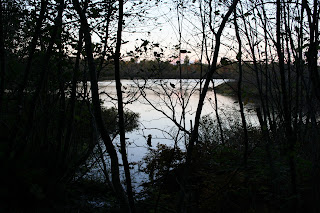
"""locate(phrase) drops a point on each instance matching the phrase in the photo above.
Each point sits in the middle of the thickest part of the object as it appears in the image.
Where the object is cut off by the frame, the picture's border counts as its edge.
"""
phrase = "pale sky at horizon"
(161, 27)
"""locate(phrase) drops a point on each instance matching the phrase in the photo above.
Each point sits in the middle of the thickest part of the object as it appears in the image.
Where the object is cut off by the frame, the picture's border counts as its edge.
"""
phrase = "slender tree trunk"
(217, 113)
(121, 111)
(312, 60)
(72, 102)
(290, 139)
(268, 82)
(243, 119)
(32, 48)
(62, 98)
(266, 137)
(255, 65)
(2, 60)
(43, 74)
(203, 25)
(299, 72)
(98, 114)
(312, 53)
(195, 132)
(104, 51)
(181, 99)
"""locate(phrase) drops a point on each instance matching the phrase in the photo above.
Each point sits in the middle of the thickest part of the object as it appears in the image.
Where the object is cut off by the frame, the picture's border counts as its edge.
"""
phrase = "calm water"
(168, 97)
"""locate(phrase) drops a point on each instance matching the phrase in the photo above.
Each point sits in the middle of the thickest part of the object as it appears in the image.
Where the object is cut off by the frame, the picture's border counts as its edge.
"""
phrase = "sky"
(160, 25)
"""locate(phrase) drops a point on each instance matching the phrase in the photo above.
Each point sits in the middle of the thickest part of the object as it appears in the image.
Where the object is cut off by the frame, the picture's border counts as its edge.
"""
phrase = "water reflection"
(166, 96)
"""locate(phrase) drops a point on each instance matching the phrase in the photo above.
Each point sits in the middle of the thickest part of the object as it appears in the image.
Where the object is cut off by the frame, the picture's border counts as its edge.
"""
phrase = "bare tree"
(120, 111)
(243, 119)
(97, 112)
(194, 136)
(195, 129)
(2, 60)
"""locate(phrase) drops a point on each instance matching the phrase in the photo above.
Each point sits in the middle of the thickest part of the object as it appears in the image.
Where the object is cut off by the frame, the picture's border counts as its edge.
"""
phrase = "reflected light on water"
(166, 96)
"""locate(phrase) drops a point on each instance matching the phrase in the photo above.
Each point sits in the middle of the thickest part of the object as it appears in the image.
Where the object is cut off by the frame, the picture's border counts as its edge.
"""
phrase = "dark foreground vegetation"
(44, 168)
(60, 148)
(220, 180)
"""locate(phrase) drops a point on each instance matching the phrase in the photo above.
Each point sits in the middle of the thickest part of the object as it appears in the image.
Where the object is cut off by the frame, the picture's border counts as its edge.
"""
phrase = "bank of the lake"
(249, 91)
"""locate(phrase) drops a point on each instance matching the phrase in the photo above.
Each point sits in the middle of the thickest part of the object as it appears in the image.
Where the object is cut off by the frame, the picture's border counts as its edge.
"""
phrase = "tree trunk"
(72, 102)
(217, 113)
(43, 75)
(121, 111)
(32, 48)
(290, 139)
(243, 119)
(194, 135)
(195, 132)
(2, 61)
(98, 114)
(105, 44)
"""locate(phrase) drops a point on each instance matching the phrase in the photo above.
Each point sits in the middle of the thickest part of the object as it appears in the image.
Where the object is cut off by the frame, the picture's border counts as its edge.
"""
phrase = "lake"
(158, 102)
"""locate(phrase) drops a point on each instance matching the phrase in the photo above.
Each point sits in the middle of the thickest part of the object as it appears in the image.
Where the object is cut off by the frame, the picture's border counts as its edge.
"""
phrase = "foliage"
(110, 117)
(218, 178)
(163, 165)
(249, 91)
(38, 171)
(161, 160)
